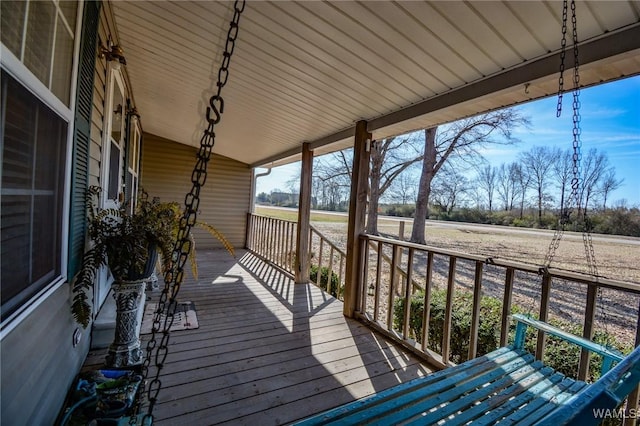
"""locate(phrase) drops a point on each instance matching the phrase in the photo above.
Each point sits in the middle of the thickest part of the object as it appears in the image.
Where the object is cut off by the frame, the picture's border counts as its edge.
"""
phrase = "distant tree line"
(440, 173)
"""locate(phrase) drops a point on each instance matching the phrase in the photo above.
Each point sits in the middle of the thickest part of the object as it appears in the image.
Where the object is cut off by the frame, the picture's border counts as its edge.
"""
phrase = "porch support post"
(304, 216)
(357, 210)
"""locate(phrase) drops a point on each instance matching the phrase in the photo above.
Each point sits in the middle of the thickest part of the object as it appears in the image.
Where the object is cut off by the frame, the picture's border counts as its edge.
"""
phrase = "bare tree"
(448, 189)
(403, 189)
(563, 172)
(594, 165)
(487, 181)
(507, 184)
(389, 158)
(537, 163)
(462, 139)
(609, 184)
(331, 179)
(523, 181)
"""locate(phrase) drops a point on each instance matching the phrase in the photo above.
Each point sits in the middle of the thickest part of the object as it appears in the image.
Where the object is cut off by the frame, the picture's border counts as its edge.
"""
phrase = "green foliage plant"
(127, 244)
(559, 354)
(334, 289)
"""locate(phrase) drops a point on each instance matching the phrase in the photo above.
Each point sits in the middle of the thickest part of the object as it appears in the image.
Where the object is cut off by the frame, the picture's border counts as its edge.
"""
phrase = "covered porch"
(307, 78)
(267, 351)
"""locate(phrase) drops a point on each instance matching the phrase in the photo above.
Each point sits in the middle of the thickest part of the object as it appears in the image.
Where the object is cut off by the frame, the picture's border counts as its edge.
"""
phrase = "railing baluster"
(394, 267)
(376, 302)
(293, 246)
(446, 334)
(397, 250)
(311, 245)
(544, 313)
(319, 275)
(330, 274)
(587, 332)
(407, 295)
(283, 245)
(364, 274)
(506, 306)
(475, 312)
(280, 231)
(261, 235)
(287, 248)
(341, 272)
(269, 235)
(632, 399)
(287, 244)
(427, 302)
(280, 243)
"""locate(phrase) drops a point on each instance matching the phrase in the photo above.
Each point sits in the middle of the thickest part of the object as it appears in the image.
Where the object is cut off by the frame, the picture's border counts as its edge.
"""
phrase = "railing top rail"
(327, 240)
(273, 218)
(577, 277)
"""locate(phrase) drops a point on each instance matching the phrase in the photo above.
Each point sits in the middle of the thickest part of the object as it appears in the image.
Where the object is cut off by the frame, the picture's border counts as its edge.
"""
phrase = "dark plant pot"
(149, 266)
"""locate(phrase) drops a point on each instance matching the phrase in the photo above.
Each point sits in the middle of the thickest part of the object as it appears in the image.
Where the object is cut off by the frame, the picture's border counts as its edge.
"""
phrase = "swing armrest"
(588, 407)
(524, 321)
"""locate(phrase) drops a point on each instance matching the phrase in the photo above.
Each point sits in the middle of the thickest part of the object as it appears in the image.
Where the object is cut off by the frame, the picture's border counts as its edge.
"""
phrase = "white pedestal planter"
(125, 350)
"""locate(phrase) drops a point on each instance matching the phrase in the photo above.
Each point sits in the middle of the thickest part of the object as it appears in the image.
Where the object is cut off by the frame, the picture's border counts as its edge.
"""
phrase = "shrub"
(525, 222)
(335, 289)
(402, 210)
(489, 329)
(559, 354)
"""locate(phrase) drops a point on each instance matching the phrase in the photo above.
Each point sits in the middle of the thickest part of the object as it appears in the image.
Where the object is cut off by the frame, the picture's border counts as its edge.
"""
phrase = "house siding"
(225, 199)
(38, 360)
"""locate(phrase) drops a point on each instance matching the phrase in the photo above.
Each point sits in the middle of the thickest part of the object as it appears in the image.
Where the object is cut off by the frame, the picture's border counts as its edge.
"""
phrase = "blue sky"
(610, 122)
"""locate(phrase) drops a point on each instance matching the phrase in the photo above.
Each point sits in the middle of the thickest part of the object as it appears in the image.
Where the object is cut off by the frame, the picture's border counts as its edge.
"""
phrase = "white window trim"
(12, 65)
(115, 78)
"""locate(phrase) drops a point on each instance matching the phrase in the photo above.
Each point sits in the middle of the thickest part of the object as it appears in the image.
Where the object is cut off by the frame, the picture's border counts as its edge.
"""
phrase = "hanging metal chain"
(563, 51)
(574, 198)
(173, 277)
(564, 210)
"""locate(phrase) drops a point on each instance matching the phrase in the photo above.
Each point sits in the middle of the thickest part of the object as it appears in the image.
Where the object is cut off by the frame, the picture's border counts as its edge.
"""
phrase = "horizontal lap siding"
(38, 361)
(225, 199)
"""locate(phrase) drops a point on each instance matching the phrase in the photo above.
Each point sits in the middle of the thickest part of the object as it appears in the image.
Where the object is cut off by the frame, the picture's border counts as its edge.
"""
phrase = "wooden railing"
(275, 241)
(325, 254)
(388, 265)
(455, 272)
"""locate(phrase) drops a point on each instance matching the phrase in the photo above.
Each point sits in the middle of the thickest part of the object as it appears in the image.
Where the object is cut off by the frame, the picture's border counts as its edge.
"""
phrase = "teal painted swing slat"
(507, 385)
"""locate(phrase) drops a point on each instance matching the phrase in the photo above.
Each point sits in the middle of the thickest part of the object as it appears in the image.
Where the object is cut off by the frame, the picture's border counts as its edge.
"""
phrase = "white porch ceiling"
(307, 71)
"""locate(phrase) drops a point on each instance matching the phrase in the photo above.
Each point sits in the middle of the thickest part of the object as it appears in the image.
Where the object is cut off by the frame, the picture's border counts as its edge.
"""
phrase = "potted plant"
(127, 243)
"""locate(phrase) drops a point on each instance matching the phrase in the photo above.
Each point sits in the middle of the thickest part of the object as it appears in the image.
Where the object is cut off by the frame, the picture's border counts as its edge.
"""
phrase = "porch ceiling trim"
(609, 45)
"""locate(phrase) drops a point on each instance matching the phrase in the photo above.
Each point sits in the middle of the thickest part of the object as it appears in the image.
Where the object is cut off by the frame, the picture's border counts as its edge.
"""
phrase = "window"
(133, 160)
(114, 139)
(41, 35)
(32, 190)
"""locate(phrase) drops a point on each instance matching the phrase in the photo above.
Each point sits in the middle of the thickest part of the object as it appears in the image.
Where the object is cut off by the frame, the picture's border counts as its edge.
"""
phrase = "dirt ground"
(616, 258)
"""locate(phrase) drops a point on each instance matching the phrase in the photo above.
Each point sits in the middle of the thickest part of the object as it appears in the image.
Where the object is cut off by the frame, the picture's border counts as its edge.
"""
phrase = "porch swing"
(508, 385)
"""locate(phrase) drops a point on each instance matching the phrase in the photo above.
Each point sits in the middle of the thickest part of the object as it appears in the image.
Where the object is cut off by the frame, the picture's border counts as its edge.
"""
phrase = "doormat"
(185, 317)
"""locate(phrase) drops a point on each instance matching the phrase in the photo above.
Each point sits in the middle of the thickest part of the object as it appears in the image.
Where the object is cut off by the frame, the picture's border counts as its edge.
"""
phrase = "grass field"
(617, 258)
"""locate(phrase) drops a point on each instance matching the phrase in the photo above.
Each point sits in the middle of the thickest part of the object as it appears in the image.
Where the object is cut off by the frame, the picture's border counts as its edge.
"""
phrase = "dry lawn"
(617, 258)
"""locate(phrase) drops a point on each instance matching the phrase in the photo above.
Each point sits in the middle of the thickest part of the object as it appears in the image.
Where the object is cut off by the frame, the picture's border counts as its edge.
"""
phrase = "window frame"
(21, 73)
(133, 142)
(116, 80)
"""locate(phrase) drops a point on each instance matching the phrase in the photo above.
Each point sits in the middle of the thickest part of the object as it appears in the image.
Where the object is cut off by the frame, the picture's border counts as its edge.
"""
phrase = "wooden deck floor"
(268, 351)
